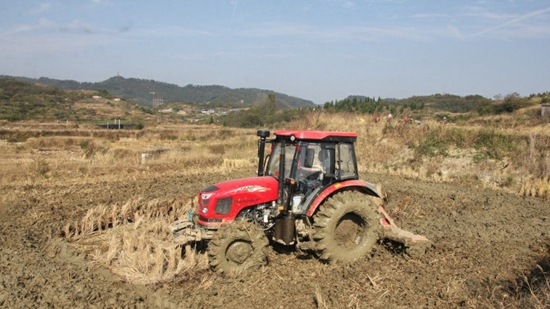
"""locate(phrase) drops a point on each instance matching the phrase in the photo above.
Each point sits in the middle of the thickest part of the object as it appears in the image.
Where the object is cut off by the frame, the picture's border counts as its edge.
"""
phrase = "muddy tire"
(347, 227)
(237, 247)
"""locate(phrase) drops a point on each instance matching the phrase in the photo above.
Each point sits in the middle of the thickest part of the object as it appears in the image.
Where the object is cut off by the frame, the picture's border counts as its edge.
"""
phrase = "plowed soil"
(485, 243)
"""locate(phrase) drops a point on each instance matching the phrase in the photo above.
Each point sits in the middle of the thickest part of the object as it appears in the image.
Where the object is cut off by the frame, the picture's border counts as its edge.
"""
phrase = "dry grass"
(133, 242)
(384, 147)
(90, 154)
(536, 187)
(530, 289)
(319, 299)
(103, 217)
(510, 154)
(130, 238)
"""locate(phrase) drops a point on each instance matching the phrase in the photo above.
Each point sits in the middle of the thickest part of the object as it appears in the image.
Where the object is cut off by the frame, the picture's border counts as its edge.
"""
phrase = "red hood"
(244, 192)
(263, 184)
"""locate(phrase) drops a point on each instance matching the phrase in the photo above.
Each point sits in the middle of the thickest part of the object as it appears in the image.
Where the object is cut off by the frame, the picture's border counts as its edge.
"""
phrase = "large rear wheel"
(347, 227)
(237, 247)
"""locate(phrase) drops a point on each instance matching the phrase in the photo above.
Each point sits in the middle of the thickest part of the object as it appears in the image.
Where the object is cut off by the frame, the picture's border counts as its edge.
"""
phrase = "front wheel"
(347, 227)
(237, 247)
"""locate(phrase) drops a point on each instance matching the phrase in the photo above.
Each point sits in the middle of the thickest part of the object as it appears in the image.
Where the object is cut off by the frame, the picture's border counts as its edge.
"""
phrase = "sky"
(318, 50)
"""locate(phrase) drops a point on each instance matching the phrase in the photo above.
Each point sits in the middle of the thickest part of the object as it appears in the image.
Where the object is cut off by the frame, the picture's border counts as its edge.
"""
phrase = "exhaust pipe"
(263, 134)
(280, 198)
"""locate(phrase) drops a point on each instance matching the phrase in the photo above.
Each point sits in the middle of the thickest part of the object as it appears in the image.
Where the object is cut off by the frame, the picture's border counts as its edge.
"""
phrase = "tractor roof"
(317, 135)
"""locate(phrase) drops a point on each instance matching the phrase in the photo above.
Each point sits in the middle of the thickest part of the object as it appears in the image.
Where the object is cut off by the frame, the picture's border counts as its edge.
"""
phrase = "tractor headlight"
(223, 206)
(206, 196)
(204, 210)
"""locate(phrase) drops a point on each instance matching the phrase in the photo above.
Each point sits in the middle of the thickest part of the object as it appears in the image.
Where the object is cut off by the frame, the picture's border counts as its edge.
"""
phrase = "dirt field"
(486, 248)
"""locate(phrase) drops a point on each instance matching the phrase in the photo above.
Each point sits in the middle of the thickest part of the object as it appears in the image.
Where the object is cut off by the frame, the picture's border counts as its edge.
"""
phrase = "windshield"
(273, 165)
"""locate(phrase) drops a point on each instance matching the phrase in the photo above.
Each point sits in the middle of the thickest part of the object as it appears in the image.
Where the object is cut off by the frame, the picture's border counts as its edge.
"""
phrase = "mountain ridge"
(143, 92)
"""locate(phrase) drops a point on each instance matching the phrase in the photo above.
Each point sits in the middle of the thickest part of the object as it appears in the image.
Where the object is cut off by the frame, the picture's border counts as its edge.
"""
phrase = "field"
(83, 215)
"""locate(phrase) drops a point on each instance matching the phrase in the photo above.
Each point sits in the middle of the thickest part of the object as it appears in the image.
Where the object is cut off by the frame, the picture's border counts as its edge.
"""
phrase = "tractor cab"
(307, 161)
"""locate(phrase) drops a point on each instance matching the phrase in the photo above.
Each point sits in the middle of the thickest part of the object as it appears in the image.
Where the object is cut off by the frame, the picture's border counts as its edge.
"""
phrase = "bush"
(41, 167)
(84, 144)
(492, 145)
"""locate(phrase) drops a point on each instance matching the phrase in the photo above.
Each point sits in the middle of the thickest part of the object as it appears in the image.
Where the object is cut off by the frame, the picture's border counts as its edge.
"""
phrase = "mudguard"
(359, 185)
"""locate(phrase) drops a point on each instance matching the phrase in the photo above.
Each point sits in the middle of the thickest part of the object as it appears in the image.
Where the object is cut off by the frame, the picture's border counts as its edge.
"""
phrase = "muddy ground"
(485, 243)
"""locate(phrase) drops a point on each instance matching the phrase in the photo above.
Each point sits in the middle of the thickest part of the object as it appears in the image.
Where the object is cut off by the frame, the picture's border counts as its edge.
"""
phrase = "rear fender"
(357, 185)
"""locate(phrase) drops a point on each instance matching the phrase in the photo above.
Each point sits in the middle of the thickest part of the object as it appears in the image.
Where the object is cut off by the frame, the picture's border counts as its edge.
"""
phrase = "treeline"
(357, 104)
(443, 102)
(437, 102)
(508, 104)
(545, 96)
(267, 113)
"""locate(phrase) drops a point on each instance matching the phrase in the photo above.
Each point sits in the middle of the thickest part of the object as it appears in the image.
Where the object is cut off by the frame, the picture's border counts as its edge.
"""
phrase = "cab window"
(273, 167)
(346, 161)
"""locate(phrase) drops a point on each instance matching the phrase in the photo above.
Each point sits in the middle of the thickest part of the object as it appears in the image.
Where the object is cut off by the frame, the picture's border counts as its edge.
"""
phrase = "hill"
(142, 92)
(25, 99)
(21, 100)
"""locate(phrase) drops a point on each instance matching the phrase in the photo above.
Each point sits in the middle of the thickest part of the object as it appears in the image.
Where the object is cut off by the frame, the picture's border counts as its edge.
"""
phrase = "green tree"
(511, 103)
(271, 103)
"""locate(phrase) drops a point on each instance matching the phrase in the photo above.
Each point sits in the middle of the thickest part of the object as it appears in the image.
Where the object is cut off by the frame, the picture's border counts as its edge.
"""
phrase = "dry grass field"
(84, 213)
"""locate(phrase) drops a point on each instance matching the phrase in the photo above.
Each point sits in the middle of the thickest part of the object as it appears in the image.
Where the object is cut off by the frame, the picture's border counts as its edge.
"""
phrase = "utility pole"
(153, 102)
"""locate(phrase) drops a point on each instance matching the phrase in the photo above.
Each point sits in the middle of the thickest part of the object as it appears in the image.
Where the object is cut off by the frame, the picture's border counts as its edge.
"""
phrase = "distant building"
(158, 101)
(545, 111)
(116, 126)
(207, 111)
(168, 110)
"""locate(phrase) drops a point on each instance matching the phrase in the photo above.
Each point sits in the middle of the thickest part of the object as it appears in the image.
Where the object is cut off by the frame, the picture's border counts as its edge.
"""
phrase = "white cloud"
(429, 15)
(348, 4)
(358, 32)
(42, 7)
(515, 21)
(47, 36)
(42, 44)
(173, 31)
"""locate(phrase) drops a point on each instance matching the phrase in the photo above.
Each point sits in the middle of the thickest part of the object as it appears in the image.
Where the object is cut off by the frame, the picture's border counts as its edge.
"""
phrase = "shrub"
(84, 144)
(41, 167)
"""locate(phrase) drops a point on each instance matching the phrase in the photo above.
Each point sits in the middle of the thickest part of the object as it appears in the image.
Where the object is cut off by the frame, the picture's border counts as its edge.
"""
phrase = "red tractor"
(307, 196)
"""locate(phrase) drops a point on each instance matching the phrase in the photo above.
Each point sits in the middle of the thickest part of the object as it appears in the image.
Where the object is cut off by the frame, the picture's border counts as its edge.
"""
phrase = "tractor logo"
(251, 188)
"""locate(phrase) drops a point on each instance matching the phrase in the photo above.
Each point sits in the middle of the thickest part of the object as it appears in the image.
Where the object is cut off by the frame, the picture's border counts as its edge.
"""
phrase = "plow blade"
(393, 232)
(183, 231)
